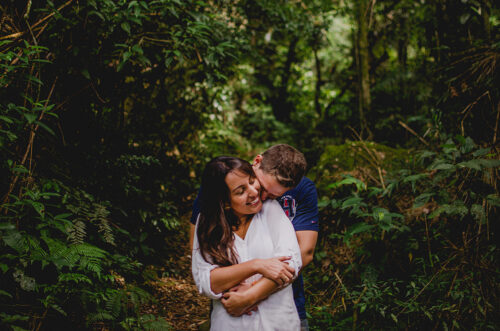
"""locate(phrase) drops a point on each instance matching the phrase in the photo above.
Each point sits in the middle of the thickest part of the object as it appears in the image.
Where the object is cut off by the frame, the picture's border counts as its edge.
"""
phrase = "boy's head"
(279, 169)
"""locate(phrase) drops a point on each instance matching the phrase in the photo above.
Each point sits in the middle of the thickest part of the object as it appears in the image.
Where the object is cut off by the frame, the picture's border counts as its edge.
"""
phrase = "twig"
(428, 241)
(345, 289)
(381, 177)
(30, 144)
(469, 107)
(375, 162)
(425, 286)
(413, 132)
(41, 319)
(28, 9)
(496, 124)
(19, 34)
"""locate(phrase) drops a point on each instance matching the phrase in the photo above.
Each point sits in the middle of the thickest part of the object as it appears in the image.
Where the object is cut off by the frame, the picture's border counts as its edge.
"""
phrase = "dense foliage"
(110, 108)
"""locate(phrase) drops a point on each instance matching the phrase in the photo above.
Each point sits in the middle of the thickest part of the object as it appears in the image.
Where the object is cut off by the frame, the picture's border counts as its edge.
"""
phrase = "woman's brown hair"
(216, 220)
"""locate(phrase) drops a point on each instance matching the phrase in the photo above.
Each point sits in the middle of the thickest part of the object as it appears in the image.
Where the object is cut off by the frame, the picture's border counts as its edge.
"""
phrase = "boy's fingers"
(284, 258)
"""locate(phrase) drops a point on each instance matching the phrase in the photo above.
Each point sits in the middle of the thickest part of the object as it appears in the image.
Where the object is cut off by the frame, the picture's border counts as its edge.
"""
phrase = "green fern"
(74, 277)
(106, 231)
(115, 303)
(77, 232)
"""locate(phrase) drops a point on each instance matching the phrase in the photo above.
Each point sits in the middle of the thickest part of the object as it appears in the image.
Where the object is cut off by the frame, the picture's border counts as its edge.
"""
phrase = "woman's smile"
(254, 203)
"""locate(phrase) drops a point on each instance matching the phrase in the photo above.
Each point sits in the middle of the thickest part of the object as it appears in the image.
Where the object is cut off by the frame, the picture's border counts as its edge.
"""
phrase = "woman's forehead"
(236, 178)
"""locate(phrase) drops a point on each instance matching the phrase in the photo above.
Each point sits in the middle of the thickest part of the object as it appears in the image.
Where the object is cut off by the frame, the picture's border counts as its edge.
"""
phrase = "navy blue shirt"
(301, 206)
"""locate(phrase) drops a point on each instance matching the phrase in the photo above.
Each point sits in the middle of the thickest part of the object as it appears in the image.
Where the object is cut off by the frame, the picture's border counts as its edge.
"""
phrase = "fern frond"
(74, 277)
(106, 231)
(152, 323)
(115, 303)
(89, 251)
(77, 232)
(99, 316)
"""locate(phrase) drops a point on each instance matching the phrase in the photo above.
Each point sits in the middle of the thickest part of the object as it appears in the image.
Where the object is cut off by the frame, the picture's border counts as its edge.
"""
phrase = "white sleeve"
(283, 235)
(201, 270)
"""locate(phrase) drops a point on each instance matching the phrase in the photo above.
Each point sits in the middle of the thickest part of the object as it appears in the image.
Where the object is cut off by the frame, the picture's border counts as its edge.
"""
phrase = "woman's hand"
(277, 270)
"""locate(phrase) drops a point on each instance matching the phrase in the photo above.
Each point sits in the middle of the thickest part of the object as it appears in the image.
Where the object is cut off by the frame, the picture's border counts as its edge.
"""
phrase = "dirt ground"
(177, 298)
(180, 303)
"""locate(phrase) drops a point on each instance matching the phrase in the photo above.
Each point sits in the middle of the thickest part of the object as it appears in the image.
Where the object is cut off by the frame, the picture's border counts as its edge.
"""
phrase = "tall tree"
(362, 16)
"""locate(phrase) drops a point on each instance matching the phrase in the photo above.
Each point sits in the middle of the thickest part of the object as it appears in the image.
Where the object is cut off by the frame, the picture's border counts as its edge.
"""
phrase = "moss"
(338, 159)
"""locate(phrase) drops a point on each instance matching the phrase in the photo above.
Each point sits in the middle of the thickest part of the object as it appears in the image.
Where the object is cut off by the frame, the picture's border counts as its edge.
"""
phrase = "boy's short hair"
(285, 163)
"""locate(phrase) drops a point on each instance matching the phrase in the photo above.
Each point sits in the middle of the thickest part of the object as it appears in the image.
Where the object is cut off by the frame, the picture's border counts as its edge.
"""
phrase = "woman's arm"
(212, 279)
(238, 303)
(224, 278)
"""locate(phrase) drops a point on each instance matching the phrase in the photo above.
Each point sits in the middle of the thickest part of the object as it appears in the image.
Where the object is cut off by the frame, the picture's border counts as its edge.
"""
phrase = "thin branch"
(469, 107)
(425, 286)
(413, 132)
(496, 123)
(19, 34)
(30, 144)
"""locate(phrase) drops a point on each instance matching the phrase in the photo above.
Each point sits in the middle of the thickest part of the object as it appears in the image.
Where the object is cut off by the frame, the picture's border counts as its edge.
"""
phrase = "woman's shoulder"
(272, 211)
(270, 205)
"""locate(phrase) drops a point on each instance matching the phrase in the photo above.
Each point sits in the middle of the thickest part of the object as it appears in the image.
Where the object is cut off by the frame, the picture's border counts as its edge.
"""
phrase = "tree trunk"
(282, 107)
(361, 12)
(319, 82)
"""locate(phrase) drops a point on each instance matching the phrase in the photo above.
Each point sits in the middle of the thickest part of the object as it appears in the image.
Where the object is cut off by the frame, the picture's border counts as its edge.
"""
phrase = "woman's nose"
(254, 190)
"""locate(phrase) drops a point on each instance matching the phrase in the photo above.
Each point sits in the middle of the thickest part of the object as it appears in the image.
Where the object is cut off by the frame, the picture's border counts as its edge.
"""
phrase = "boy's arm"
(307, 243)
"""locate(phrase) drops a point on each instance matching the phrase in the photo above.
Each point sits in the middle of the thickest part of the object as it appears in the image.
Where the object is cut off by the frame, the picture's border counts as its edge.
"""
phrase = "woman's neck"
(242, 229)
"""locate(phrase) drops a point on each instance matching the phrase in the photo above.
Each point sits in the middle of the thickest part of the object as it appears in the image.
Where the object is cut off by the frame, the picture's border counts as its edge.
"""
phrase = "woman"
(239, 239)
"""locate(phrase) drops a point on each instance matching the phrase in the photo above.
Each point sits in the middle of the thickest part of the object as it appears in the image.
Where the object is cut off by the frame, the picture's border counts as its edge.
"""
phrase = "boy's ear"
(257, 160)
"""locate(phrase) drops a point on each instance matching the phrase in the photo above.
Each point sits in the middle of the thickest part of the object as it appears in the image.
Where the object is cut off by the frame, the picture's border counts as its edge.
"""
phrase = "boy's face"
(270, 188)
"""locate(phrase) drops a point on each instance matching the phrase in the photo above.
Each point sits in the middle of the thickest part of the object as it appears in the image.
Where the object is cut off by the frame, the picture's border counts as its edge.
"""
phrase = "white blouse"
(270, 234)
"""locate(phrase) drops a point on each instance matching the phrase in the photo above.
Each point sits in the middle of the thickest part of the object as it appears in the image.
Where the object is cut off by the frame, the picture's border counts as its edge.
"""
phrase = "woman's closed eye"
(239, 190)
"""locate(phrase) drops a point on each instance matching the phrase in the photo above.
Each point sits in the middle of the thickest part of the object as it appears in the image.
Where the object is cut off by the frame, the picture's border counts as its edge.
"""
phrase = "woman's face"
(244, 193)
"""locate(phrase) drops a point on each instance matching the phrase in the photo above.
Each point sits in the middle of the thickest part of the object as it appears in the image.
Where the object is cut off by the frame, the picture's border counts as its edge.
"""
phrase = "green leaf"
(4, 267)
(45, 127)
(481, 152)
(426, 154)
(6, 119)
(413, 179)
(422, 199)
(351, 202)
(16, 241)
(35, 80)
(7, 226)
(490, 163)
(358, 228)
(442, 166)
(20, 169)
(86, 73)
(6, 294)
(494, 200)
(360, 185)
(39, 207)
(457, 208)
(30, 117)
(126, 27)
(472, 164)
(477, 211)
